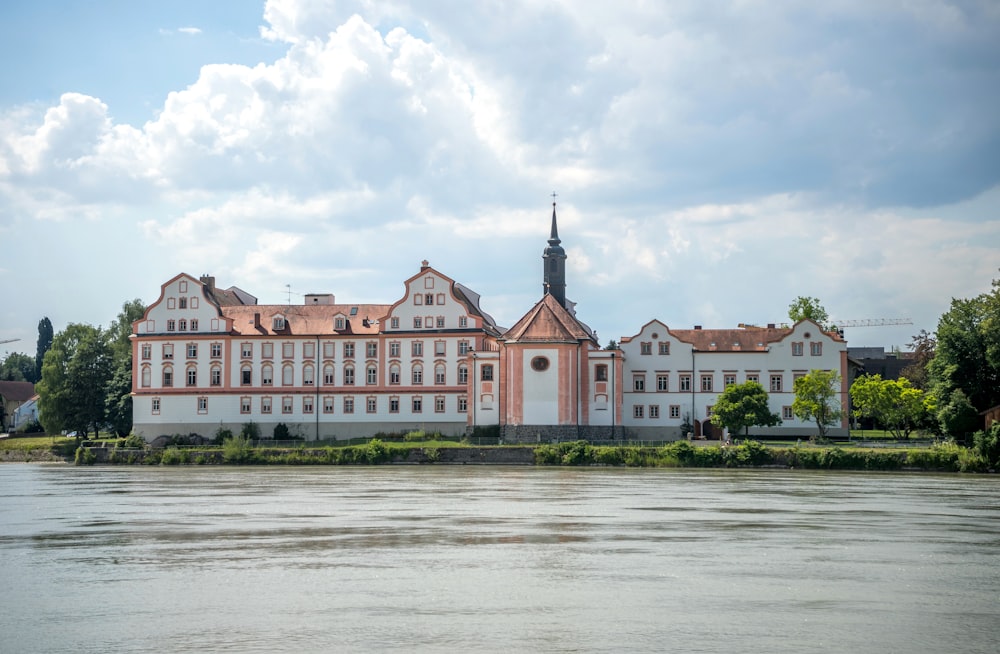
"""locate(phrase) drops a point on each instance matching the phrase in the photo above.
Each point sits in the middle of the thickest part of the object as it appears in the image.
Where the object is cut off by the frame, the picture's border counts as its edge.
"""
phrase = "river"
(495, 559)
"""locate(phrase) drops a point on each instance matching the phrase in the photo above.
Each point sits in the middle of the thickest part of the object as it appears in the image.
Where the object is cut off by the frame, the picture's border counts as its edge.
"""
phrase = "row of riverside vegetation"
(83, 376)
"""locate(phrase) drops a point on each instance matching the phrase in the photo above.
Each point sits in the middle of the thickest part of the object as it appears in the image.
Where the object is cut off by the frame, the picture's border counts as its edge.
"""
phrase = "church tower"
(554, 260)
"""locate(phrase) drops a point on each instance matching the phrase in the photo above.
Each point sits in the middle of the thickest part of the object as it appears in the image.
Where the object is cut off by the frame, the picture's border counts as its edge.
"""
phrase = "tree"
(75, 374)
(958, 418)
(17, 367)
(742, 406)
(894, 403)
(44, 343)
(817, 398)
(118, 400)
(923, 345)
(612, 345)
(808, 308)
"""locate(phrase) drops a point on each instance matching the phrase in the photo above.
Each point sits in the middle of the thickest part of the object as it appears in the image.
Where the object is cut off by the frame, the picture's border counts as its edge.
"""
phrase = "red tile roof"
(305, 319)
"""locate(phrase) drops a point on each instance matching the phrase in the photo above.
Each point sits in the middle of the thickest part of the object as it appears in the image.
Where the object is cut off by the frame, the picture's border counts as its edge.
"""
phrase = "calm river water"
(495, 559)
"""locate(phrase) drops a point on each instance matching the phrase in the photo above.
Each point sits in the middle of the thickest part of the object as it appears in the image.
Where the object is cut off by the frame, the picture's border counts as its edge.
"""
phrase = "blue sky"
(712, 160)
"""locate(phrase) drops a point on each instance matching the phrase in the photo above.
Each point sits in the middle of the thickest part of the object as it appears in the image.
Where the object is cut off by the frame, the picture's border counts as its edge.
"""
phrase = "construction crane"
(872, 322)
(9, 340)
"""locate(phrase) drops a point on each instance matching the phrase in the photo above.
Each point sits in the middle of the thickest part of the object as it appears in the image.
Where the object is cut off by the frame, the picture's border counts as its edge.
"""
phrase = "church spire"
(554, 265)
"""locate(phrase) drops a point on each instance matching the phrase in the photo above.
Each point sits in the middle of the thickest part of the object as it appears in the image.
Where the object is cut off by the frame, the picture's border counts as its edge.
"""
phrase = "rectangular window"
(816, 349)
(348, 350)
(662, 383)
(308, 350)
(463, 322)
(645, 348)
(753, 377)
(192, 377)
(486, 373)
(371, 377)
(194, 324)
(685, 383)
(639, 383)
(168, 377)
(349, 376)
(286, 404)
(339, 323)
(182, 325)
(439, 322)
(307, 404)
(182, 303)
(429, 298)
(327, 404)
(246, 350)
(287, 350)
(796, 349)
(729, 380)
(371, 405)
(194, 303)
(394, 323)
(245, 404)
(706, 383)
(393, 405)
(439, 374)
(463, 375)
(418, 322)
(171, 325)
(171, 303)
(637, 411)
(192, 350)
(266, 375)
(418, 375)
(327, 375)
(675, 411)
(775, 383)
(168, 351)
(463, 405)
(440, 298)
(147, 351)
(438, 404)
(463, 348)
(266, 350)
(601, 372)
(348, 405)
(182, 287)
(215, 376)
(156, 406)
(439, 348)
(428, 321)
(246, 376)
(786, 413)
(654, 410)
(265, 404)
(664, 347)
(394, 349)
(371, 350)
(418, 405)
(329, 347)
(287, 375)
(216, 350)
(417, 348)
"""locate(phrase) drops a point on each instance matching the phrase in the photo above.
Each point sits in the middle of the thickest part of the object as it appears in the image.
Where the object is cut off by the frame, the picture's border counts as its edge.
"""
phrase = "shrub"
(133, 441)
(609, 456)
(987, 445)
(222, 434)
(237, 449)
(375, 452)
(415, 436)
(85, 456)
(432, 453)
(280, 432)
(173, 456)
(31, 427)
(577, 453)
(250, 431)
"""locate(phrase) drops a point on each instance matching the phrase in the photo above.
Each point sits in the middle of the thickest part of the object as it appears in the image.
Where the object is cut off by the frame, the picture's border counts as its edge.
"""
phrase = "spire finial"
(554, 235)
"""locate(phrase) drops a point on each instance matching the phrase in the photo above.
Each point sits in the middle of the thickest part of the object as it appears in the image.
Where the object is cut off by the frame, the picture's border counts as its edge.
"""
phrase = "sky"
(711, 161)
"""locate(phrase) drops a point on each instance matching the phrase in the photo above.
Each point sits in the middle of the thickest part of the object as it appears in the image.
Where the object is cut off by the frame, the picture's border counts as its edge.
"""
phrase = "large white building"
(206, 358)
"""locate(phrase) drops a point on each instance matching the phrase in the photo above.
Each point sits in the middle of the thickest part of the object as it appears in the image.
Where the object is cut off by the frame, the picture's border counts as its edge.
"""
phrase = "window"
(156, 405)
(393, 405)
(267, 350)
(463, 347)
(168, 351)
(394, 323)
(418, 404)
(371, 375)
(486, 373)
(539, 364)
(277, 323)
(417, 322)
(394, 349)
(394, 374)
(645, 348)
(147, 351)
(816, 349)
(287, 350)
(708, 411)
(146, 377)
(328, 374)
(429, 298)
(371, 350)
(786, 413)
(371, 405)
(706, 383)
(192, 376)
(194, 324)
(463, 405)
(194, 303)
(729, 380)
(287, 375)
(308, 350)
(245, 404)
(664, 347)
(192, 350)
(675, 411)
(327, 404)
(662, 383)
(439, 374)
(349, 375)
(171, 325)
(418, 374)
(308, 374)
(246, 350)
(796, 349)
(215, 376)
(182, 325)
(639, 383)
(246, 376)
(775, 383)
(428, 321)
(182, 287)
(439, 322)
(637, 411)
(753, 378)
(438, 404)
(440, 298)
(348, 350)
(267, 375)
(168, 377)
(463, 322)
(654, 410)
(216, 350)
(417, 349)
(439, 348)
(307, 404)
(685, 383)
(338, 323)
(463, 374)
(418, 299)
(329, 348)
(265, 404)
(428, 281)
(286, 404)
(171, 303)
(601, 372)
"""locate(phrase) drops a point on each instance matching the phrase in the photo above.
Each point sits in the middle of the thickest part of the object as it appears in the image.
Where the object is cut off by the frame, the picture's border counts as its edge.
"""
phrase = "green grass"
(33, 442)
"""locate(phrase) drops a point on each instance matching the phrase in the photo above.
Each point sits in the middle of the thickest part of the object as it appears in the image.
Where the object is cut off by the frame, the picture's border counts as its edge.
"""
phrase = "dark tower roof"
(554, 268)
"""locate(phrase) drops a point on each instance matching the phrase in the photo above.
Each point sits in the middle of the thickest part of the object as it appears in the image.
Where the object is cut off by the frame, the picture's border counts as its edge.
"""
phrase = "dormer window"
(278, 323)
(338, 323)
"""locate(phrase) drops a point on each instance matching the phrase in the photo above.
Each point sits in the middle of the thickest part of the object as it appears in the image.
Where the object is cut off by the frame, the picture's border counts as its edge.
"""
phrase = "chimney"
(424, 265)
(209, 281)
(256, 320)
(697, 326)
(770, 325)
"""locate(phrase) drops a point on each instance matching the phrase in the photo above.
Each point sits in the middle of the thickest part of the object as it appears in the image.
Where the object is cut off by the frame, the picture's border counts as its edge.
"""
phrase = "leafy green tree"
(17, 367)
(817, 398)
(923, 345)
(968, 350)
(43, 345)
(808, 308)
(958, 418)
(612, 345)
(75, 373)
(742, 406)
(893, 403)
(118, 401)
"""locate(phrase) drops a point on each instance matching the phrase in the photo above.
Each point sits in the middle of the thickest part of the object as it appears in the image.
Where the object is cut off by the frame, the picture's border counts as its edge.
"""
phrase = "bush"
(133, 441)
(173, 456)
(31, 427)
(987, 445)
(415, 436)
(250, 431)
(375, 452)
(577, 453)
(85, 456)
(237, 449)
(221, 435)
(280, 432)
(432, 453)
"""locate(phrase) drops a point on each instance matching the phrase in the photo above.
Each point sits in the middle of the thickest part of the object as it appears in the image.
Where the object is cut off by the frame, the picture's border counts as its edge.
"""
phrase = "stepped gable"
(548, 321)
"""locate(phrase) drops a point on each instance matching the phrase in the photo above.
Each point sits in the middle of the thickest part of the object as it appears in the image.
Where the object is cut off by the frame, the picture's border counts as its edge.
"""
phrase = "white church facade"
(206, 358)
